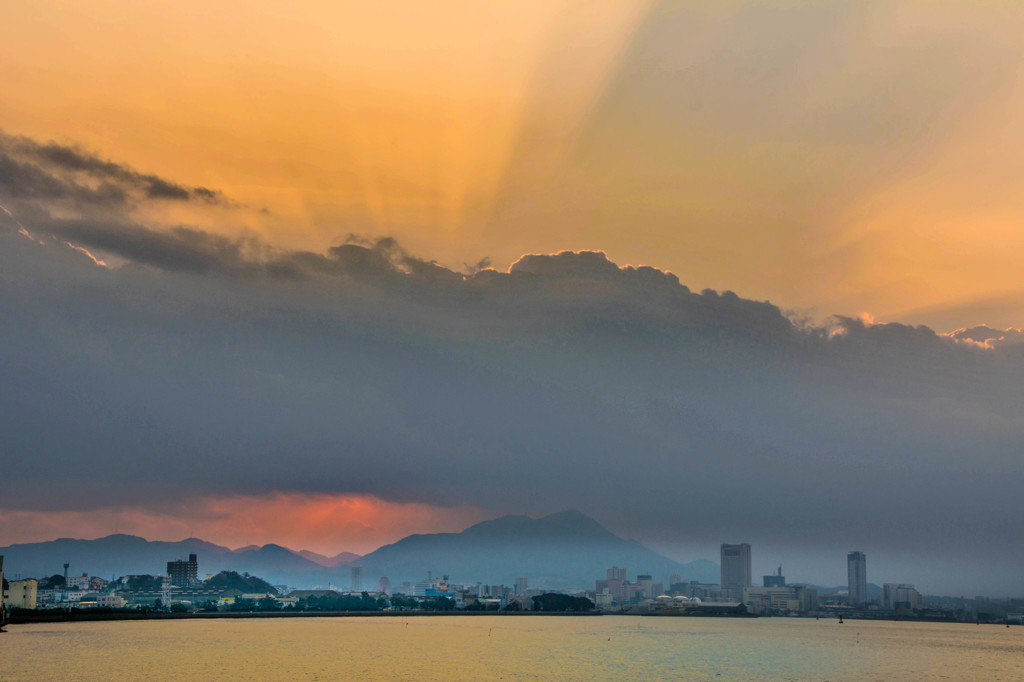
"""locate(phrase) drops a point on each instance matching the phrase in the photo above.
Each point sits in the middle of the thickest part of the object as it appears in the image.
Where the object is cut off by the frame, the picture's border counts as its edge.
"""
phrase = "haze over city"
(709, 272)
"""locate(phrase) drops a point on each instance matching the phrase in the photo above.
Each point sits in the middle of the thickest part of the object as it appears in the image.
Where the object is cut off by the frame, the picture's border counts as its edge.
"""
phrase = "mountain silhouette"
(560, 551)
(118, 555)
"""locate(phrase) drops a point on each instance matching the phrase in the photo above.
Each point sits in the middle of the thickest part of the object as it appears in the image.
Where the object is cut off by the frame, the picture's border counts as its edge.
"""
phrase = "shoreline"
(65, 617)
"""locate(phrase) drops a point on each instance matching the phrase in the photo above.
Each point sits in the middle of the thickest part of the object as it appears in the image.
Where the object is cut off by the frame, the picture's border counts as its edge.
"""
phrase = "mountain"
(342, 559)
(117, 555)
(560, 551)
(563, 550)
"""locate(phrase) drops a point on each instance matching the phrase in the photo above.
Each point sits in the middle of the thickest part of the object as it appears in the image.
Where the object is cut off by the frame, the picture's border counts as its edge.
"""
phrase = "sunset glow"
(325, 524)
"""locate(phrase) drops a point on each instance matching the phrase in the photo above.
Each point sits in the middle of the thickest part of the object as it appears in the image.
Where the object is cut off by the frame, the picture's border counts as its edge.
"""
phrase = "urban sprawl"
(181, 590)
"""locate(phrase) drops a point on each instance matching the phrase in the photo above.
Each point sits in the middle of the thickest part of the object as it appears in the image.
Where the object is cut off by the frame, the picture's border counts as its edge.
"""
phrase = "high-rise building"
(735, 569)
(857, 572)
(616, 573)
(521, 586)
(181, 573)
(357, 578)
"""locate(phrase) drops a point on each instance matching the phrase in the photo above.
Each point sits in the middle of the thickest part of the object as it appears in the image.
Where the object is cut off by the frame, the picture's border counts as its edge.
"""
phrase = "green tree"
(561, 602)
(54, 582)
(438, 604)
(241, 604)
(401, 602)
(231, 580)
(268, 604)
(144, 582)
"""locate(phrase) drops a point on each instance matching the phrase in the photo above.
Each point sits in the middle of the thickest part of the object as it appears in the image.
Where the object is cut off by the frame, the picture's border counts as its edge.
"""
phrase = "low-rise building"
(790, 598)
(900, 597)
(21, 594)
(78, 582)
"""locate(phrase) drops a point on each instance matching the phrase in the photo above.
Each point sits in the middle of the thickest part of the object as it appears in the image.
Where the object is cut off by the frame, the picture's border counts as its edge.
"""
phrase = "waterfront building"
(735, 563)
(897, 597)
(21, 594)
(857, 574)
(780, 599)
(704, 591)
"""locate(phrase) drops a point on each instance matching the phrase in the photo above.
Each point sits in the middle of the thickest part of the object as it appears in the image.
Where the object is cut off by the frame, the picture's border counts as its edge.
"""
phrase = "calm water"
(516, 648)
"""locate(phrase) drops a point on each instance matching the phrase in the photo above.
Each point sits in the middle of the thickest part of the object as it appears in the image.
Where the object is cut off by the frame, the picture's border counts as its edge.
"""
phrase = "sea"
(511, 648)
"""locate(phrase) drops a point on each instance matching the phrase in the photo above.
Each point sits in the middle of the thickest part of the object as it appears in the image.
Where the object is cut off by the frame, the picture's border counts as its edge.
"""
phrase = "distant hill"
(563, 550)
(342, 559)
(117, 555)
(560, 551)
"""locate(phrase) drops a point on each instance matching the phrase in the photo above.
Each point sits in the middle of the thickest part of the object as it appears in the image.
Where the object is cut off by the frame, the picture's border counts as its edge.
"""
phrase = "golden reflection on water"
(511, 648)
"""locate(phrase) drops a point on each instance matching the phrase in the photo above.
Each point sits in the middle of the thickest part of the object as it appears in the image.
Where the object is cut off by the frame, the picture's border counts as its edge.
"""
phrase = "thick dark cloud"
(214, 366)
(32, 170)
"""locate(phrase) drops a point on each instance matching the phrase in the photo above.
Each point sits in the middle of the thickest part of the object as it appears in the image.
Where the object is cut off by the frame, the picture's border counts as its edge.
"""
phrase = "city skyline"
(330, 276)
(734, 568)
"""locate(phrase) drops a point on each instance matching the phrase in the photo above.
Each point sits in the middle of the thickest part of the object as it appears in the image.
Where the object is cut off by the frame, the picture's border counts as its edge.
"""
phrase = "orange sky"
(847, 157)
(327, 524)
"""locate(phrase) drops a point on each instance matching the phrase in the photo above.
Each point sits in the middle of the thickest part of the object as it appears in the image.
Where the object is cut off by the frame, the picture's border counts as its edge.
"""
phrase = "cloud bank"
(216, 367)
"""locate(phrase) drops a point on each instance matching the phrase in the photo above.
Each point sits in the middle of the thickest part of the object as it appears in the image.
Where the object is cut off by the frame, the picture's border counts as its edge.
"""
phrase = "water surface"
(511, 648)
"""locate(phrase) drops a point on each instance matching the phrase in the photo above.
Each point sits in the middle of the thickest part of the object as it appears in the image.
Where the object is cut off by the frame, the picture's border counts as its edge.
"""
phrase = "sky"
(327, 274)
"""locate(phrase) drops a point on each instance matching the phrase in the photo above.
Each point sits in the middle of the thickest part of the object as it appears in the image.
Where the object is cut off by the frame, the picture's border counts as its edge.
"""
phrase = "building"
(522, 584)
(102, 600)
(735, 562)
(900, 597)
(21, 594)
(694, 589)
(616, 573)
(80, 582)
(791, 598)
(183, 573)
(775, 580)
(857, 573)
(357, 578)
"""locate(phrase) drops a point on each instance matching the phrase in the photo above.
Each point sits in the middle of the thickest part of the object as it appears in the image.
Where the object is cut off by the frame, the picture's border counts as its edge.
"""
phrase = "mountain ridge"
(560, 551)
(563, 550)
